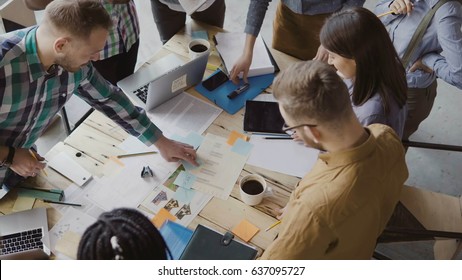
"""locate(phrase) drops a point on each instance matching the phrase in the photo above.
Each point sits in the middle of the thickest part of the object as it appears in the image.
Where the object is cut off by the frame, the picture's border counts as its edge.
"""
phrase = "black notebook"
(263, 117)
(207, 244)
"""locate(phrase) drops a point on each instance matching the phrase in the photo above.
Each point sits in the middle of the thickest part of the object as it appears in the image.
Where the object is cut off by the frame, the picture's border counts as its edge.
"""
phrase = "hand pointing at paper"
(172, 150)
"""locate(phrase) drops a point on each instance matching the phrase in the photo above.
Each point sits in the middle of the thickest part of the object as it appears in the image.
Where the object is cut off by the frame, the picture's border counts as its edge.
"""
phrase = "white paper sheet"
(184, 113)
(127, 188)
(220, 166)
(284, 156)
(230, 46)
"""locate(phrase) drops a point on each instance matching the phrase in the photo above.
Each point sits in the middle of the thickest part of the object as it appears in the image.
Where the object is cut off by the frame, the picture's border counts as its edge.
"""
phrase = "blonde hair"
(312, 89)
(78, 17)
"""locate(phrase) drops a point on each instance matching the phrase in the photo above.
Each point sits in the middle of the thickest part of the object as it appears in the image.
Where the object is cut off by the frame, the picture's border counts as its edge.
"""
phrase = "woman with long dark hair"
(360, 49)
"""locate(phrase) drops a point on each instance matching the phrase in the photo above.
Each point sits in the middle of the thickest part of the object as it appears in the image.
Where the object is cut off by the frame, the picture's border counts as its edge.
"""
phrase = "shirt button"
(63, 95)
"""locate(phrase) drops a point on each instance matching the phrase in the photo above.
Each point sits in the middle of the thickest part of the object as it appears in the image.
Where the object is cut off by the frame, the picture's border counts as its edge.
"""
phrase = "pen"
(62, 203)
(136, 154)
(33, 155)
(384, 14)
(273, 225)
(278, 138)
(239, 90)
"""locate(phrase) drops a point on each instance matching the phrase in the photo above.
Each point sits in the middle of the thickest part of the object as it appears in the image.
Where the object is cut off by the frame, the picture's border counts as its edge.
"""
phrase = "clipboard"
(207, 244)
(219, 96)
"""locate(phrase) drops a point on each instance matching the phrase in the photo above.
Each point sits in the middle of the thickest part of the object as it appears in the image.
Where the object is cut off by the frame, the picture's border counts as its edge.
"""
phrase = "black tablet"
(263, 117)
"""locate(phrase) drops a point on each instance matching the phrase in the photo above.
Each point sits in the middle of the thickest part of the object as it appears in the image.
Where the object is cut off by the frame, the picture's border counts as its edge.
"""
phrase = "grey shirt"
(257, 10)
(441, 46)
(373, 112)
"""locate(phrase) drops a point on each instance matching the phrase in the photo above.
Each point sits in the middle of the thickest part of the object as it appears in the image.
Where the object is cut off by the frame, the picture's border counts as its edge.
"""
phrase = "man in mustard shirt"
(342, 205)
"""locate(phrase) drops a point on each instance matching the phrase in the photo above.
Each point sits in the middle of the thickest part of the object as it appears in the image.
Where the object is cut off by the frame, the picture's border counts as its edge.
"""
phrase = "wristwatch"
(9, 158)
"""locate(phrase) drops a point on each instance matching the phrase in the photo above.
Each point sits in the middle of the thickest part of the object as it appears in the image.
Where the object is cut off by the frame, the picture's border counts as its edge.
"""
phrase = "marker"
(33, 155)
(62, 203)
(273, 225)
(238, 91)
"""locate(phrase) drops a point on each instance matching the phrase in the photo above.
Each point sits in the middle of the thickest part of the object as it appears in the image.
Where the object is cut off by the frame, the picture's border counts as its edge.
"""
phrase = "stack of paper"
(230, 47)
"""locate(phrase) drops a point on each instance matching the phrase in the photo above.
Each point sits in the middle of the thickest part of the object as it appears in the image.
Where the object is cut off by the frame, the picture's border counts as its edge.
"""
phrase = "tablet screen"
(263, 117)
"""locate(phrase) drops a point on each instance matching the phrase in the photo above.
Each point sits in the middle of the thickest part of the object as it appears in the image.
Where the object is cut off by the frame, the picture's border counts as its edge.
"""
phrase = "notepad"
(70, 169)
(245, 230)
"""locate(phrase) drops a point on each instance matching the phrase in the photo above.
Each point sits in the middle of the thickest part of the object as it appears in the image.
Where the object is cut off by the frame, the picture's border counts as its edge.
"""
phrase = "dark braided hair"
(122, 233)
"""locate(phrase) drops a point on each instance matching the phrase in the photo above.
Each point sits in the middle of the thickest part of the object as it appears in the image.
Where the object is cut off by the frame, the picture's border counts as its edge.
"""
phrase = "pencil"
(384, 14)
(273, 225)
(62, 203)
(33, 155)
(136, 154)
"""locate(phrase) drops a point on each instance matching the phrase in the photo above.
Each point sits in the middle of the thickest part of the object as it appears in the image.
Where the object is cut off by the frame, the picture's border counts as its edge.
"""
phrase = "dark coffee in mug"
(252, 187)
(198, 48)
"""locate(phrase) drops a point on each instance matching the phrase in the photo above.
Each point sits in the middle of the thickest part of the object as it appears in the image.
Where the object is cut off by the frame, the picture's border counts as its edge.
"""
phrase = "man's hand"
(322, 54)
(402, 7)
(418, 65)
(174, 151)
(25, 164)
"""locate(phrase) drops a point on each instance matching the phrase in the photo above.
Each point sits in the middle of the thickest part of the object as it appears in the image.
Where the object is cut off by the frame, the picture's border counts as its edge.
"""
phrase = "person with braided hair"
(122, 234)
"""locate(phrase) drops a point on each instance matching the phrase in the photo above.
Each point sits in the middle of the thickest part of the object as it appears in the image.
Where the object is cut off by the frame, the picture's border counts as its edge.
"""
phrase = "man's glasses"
(290, 130)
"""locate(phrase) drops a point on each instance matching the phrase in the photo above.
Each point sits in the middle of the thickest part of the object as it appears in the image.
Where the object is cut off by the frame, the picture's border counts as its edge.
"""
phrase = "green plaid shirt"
(30, 96)
(125, 28)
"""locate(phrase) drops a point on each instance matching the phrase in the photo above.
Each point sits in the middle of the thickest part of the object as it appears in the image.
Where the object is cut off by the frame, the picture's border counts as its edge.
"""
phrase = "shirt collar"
(352, 155)
(36, 69)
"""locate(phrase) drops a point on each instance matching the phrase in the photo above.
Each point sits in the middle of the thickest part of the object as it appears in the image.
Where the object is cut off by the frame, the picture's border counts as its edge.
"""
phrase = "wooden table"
(98, 137)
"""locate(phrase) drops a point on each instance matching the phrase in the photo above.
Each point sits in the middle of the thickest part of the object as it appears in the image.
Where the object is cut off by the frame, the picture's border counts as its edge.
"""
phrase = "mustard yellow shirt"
(343, 204)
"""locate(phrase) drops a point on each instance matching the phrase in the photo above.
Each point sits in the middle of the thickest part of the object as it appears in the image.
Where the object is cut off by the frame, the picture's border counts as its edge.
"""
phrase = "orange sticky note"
(234, 135)
(245, 230)
(161, 216)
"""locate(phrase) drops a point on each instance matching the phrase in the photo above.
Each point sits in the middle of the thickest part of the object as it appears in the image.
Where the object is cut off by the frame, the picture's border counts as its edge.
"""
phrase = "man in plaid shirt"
(41, 67)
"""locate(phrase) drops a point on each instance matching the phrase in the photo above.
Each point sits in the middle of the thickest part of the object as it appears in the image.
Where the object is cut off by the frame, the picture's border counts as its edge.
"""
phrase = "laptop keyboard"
(142, 92)
(23, 241)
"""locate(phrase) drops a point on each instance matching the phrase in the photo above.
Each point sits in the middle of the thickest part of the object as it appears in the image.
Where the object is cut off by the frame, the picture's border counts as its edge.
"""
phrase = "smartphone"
(215, 81)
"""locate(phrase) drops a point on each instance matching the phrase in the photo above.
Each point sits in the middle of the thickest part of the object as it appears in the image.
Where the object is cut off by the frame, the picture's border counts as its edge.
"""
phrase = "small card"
(245, 230)
(161, 217)
(185, 180)
(69, 168)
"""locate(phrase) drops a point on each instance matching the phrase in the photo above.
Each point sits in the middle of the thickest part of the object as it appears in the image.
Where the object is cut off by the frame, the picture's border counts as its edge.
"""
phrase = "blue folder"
(176, 237)
(219, 96)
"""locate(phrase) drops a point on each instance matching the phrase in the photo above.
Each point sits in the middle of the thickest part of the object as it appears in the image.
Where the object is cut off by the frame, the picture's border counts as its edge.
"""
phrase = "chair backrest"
(14, 15)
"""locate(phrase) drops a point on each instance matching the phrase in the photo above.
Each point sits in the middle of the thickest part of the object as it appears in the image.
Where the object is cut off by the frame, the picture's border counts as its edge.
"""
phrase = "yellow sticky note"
(245, 230)
(234, 135)
(68, 244)
(161, 216)
(23, 203)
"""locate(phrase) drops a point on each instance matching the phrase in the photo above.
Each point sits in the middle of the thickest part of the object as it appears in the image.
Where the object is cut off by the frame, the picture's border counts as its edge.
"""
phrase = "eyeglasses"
(290, 129)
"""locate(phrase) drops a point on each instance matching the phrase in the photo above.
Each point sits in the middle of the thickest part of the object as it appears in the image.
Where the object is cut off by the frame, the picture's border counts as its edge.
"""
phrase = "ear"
(61, 44)
(314, 132)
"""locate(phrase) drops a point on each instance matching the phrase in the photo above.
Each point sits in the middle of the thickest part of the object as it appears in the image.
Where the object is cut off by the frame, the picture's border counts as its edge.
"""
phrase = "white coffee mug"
(253, 189)
(198, 47)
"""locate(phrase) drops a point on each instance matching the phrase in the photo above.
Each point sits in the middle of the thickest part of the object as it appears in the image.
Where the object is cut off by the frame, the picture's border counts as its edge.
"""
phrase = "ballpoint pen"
(278, 138)
(136, 154)
(238, 91)
(62, 203)
(33, 155)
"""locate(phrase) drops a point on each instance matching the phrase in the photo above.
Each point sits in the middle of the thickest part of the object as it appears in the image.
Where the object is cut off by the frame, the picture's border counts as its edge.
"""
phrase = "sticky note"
(194, 139)
(68, 244)
(234, 135)
(242, 147)
(23, 203)
(184, 195)
(187, 166)
(161, 217)
(245, 230)
(185, 180)
(200, 34)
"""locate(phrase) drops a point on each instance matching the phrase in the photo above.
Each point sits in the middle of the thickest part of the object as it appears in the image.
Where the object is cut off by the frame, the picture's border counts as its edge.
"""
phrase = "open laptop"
(169, 76)
(24, 235)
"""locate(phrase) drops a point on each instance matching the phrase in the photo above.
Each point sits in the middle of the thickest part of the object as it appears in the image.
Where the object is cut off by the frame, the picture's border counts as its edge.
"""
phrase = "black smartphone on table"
(212, 82)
